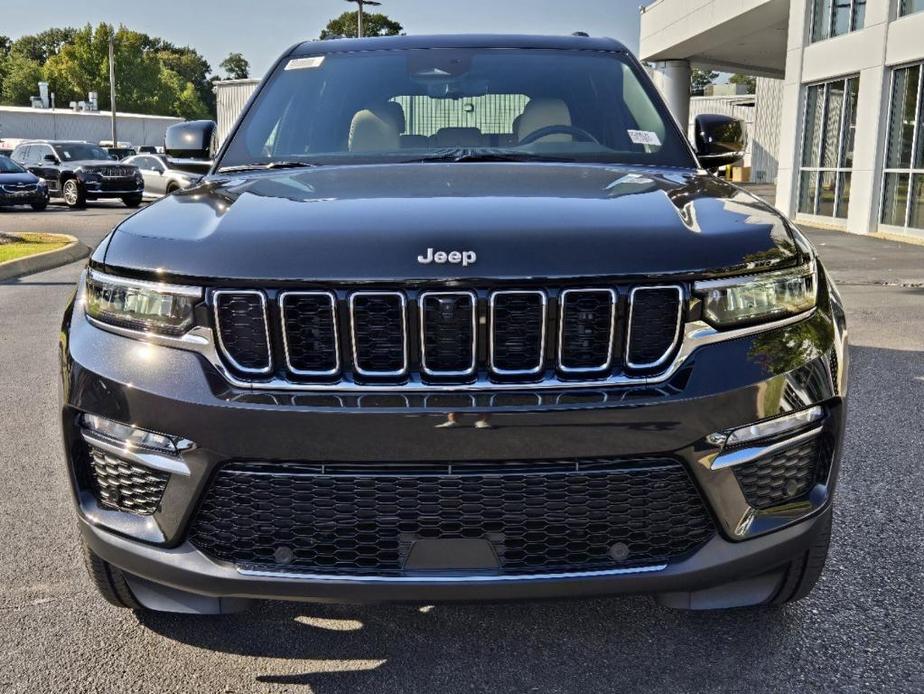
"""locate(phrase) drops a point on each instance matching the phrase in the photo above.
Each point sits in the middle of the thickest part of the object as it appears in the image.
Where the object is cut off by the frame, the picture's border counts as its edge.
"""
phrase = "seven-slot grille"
(447, 335)
(115, 171)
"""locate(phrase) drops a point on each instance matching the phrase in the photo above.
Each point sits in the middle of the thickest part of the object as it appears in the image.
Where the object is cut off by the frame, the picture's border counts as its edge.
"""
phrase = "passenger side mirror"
(190, 140)
(719, 140)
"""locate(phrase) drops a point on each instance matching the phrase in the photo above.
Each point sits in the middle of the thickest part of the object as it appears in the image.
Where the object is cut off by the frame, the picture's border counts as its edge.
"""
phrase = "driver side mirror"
(50, 159)
(719, 140)
(191, 140)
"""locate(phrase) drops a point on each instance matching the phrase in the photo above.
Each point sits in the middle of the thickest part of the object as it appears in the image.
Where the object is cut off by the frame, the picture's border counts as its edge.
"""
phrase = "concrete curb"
(48, 260)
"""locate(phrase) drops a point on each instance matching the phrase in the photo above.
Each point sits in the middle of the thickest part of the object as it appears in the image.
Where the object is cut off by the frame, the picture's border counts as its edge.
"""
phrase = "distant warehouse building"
(231, 96)
(18, 122)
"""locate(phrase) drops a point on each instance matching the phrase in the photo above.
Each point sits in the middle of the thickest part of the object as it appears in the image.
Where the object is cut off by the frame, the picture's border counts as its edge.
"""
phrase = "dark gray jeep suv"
(455, 318)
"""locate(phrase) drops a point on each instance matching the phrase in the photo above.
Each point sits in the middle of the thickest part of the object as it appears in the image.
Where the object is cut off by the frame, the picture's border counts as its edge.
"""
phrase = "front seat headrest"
(372, 131)
(542, 113)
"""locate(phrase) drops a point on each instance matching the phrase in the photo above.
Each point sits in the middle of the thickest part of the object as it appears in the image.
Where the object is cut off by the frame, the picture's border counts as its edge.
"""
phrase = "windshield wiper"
(266, 167)
(477, 155)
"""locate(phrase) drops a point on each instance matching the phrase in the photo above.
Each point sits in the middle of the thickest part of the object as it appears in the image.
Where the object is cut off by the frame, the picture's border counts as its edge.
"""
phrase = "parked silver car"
(163, 175)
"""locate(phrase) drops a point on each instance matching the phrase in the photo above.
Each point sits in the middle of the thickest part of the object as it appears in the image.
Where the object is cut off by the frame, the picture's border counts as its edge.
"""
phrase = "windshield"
(9, 166)
(457, 104)
(80, 151)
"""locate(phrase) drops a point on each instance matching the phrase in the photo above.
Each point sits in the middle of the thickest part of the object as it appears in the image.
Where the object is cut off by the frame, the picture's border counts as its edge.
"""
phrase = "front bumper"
(726, 385)
(36, 197)
(96, 190)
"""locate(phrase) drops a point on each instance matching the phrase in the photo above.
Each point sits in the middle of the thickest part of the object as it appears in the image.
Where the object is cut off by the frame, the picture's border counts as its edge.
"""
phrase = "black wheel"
(40, 206)
(804, 571)
(74, 195)
(132, 200)
(109, 581)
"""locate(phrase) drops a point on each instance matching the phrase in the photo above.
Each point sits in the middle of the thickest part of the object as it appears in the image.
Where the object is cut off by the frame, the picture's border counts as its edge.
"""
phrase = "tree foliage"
(236, 66)
(152, 75)
(375, 24)
(748, 81)
(700, 79)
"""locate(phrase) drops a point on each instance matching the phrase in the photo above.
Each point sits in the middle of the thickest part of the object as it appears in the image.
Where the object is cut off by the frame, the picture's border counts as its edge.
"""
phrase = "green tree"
(748, 81)
(20, 80)
(40, 47)
(373, 25)
(236, 66)
(144, 82)
(700, 79)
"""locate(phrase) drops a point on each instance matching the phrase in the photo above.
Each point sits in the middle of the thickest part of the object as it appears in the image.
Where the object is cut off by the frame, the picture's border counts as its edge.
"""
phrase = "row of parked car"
(78, 172)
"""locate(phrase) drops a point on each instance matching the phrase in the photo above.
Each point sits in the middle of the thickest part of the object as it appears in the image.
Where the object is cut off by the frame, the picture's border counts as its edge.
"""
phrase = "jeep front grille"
(447, 336)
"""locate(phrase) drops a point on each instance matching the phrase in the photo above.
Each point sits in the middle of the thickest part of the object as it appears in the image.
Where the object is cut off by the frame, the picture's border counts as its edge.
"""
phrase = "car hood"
(521, 220)
(13, 178)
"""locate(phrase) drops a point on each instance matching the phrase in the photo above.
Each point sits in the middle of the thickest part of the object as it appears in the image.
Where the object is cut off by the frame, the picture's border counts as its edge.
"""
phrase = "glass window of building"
(827, 147)
(910, 7)
(903, 178)
(832, 18)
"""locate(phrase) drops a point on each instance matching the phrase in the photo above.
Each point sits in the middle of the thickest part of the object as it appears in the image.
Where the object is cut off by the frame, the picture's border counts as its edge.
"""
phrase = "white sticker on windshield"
(644, 137)
(305, 63)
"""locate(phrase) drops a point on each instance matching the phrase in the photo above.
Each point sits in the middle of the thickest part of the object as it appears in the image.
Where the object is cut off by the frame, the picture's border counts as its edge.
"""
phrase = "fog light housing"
(768, 428)
(134, 437)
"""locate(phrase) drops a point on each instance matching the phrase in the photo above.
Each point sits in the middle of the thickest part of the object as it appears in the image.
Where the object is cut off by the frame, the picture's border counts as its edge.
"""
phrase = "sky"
(263, 30)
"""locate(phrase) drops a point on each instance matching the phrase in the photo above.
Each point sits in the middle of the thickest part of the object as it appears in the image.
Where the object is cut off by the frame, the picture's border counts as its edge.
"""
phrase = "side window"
(42, 152)
(155, 164)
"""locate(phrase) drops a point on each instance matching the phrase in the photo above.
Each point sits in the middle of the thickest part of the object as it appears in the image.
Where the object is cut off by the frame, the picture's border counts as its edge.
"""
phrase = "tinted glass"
(814, 113)
(895, 199)
(827, 193)
(77, 151)
(901, 117)
(7, 165)
(821, 20)
(909, 6)
(408, 105)
(830, 152)
(917, 203)
(850, 121)
(808, 184)
(843, 198)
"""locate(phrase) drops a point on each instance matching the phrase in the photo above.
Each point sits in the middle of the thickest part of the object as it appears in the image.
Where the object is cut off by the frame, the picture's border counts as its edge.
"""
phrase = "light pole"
(112, 85)
(359, 13)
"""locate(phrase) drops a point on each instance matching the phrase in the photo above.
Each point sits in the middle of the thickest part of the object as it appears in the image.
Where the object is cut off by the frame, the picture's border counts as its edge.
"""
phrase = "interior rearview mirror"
(190, 140)
(719, 140)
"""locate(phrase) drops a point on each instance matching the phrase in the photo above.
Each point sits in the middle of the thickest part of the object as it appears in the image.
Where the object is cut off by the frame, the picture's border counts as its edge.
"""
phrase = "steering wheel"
(578, 133)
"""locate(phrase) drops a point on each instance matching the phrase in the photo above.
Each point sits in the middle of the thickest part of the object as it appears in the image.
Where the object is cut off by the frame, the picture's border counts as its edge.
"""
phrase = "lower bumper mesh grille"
(785, 476)
(124, 486)
(537, 517)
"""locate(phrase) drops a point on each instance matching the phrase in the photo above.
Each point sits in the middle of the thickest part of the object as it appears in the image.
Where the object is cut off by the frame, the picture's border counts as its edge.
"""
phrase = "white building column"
(790, 145)
(672, 78)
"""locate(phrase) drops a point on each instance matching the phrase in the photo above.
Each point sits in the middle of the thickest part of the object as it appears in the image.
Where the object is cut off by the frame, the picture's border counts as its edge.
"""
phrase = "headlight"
(757, 298)
(166, 309)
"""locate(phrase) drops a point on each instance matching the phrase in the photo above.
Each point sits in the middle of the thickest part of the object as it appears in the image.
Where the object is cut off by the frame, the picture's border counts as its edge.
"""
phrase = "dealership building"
(846, 80)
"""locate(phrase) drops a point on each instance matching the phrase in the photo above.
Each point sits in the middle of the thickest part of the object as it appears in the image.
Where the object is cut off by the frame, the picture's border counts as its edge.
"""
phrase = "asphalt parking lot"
(860, 631)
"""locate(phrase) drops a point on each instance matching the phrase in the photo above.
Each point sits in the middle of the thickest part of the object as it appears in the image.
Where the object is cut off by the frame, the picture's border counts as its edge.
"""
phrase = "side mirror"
(719, 140)
(50, 158)
(190, 140)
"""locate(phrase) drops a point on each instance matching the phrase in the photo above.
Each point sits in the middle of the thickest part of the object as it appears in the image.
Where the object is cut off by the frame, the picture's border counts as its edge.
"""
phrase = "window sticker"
(305, 63)
(644, 137)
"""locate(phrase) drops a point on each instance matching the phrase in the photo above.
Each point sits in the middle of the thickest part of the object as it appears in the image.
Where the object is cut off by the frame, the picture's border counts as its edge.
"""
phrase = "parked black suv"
(79, 171)
(455, 318)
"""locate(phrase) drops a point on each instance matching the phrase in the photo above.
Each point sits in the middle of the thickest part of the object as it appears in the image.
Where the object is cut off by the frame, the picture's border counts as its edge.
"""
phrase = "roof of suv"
(458, 41)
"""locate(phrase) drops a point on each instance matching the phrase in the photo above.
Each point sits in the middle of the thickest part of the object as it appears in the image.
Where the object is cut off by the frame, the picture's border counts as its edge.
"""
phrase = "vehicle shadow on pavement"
(581, 646)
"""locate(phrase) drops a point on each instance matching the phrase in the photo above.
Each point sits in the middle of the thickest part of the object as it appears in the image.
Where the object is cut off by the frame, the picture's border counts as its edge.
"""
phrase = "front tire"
(73, 194)
(132, 200)
(805, 570)
(109, 581)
